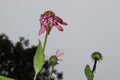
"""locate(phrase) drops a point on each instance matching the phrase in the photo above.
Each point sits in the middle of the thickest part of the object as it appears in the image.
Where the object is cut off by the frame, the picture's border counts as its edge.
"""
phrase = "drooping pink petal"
(42, 24)
(59, 20)
(42, 29)
(58, 27)
(51, 22)
(49, 18)
(64, 23)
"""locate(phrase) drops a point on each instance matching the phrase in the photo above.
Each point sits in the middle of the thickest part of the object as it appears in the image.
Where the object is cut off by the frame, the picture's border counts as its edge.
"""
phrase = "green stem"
(45, 41)
(51, 72)
(94, 66)
(35, 77)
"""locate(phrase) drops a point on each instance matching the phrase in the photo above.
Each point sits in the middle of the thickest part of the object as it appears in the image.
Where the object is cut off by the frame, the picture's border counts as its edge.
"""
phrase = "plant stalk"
(35, 77)
(94, 66)
(51, 72)
(45, 40)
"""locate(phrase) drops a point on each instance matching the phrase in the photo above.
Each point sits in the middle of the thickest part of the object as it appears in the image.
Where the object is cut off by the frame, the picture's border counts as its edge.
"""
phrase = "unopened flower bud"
(96, 56)
(53, 60)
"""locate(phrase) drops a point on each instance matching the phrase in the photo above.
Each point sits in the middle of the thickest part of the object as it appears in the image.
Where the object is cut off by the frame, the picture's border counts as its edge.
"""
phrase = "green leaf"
(5, 78)
(88, 73)
(38, 61)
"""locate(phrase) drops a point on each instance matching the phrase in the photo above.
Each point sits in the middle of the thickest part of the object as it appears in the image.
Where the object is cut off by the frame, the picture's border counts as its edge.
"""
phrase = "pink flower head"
(55, 58)
(49, 19)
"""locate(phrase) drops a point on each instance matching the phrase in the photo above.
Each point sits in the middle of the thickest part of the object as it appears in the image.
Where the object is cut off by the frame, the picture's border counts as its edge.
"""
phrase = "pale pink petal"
(58, 53)
(46, 58)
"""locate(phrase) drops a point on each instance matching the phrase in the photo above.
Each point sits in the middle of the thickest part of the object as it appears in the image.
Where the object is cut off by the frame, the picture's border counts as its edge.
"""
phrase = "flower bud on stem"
(53, 62)
(96, 56)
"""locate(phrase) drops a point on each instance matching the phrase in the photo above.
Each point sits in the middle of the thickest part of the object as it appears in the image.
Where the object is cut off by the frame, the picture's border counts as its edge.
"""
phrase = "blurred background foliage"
(16, 61)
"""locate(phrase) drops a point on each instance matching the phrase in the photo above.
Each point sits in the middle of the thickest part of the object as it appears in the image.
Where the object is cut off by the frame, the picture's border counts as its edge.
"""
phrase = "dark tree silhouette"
(16, 61)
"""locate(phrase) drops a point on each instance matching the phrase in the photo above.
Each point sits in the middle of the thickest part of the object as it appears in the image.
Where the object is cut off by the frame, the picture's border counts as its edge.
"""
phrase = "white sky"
(93, 25)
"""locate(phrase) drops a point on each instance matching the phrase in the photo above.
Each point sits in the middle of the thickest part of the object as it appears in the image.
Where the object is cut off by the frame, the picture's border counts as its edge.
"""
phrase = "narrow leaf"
(88, 73)
(38, 61)
(5, 78)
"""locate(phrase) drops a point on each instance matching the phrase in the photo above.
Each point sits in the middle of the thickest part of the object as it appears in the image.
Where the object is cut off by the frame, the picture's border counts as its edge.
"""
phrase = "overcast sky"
(93, 25)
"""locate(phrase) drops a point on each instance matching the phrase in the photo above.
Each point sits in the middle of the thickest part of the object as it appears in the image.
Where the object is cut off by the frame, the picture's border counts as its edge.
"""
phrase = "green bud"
(97, 56)
(53, 60)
